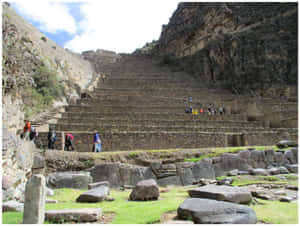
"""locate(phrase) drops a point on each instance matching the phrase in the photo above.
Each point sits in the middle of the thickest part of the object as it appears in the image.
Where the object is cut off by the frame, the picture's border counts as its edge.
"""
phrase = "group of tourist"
(208, 111)
(30, 134)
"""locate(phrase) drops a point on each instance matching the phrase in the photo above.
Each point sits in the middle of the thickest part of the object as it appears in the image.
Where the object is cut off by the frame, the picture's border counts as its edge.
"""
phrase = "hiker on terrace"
(103, 77)
(201, 111)
(221, 110)
(33, 134)
(69, 141)
(97, 142)
(27, 130)
(51, 139)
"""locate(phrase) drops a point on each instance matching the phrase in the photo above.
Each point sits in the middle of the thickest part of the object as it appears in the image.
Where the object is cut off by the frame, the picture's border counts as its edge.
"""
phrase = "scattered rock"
(286, 143)
(274, 171)
(207, 211)
(12, 205)
(109, 199)
(292, 168)
(94, 195)
(286, 199)
(233, 172)
(283, 170)
(51, 201)
(6, 182)
(261, 195)
(222, 193)
(97, 184)
(49, 192)
(225, 181)
(280, 193)
(292, 187)
(241, 172)
(261, 172)
(74, 215)
(145, 190)
(129, 187)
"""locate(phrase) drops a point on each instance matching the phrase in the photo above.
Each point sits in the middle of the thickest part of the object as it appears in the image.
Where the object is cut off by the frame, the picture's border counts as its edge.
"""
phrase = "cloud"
(121, 26)
(51, 17)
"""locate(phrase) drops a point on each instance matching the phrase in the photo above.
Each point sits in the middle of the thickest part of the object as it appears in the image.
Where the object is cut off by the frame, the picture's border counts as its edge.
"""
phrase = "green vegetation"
(242, 180)
(131, 212)
(126, 212)
(275, 212)
(47, 88)
(218, 151)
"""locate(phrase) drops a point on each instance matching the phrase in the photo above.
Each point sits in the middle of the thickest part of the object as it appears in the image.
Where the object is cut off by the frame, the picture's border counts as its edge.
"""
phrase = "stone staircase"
(141, 105)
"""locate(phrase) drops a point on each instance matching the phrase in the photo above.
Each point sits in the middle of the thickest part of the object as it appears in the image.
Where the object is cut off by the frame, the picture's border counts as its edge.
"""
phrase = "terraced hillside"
(141, 105)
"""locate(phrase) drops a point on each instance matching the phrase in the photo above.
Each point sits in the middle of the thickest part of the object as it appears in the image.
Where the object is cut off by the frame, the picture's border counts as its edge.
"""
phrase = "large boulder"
(145, 190)
(203, 169)
(94, 195)
(78, 180)
(222, 193)
(207, 211)
(74, 215)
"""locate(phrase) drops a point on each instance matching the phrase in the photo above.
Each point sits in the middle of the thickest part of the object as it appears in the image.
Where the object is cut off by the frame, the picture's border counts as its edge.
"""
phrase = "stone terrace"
(141, 106)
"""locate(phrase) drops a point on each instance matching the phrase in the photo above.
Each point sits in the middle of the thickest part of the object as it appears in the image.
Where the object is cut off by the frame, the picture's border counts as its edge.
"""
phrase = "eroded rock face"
(207, 211)
(145, 190)
(217, 42)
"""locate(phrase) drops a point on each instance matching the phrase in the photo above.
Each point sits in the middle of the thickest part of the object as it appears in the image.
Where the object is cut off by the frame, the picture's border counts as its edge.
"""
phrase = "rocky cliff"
(240, 46)
(31, 64)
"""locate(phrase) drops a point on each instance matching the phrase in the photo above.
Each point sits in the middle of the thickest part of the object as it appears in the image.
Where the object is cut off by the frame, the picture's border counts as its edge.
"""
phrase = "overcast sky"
(117, 25)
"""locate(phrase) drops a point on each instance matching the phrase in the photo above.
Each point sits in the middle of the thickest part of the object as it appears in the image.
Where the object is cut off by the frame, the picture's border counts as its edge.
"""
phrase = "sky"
(120, 26)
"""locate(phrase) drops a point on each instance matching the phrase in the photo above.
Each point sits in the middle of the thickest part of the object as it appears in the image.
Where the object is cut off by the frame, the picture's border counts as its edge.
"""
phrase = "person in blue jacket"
(97, 142)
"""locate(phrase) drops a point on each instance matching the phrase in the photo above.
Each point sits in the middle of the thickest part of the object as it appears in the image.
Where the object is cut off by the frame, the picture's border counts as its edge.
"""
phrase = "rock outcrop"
(237, 45)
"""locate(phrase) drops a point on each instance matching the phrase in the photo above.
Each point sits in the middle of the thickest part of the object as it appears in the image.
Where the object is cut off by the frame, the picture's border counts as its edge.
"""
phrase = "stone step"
(172, 128)
(129, 110)
(114, 141)
(161, 122)
(153, 115)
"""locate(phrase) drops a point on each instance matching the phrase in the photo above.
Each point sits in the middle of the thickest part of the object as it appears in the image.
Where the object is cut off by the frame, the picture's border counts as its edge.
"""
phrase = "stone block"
(145, 190)
(35, 195)
(74, 215)
(208, 211)
(78, 180)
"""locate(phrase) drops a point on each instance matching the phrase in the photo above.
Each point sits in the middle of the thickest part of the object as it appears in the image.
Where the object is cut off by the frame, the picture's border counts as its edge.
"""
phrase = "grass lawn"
(275, 212)
(131, 212)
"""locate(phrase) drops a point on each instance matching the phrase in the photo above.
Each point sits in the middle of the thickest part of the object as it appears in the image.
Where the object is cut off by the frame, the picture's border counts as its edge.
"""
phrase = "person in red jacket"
(27, 128)
(69, 141)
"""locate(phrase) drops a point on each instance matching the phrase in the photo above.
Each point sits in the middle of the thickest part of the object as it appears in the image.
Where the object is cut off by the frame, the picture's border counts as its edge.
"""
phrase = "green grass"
(243, 180)
(126, 212)
(12, 217)
(276, 212)
(219, 151)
